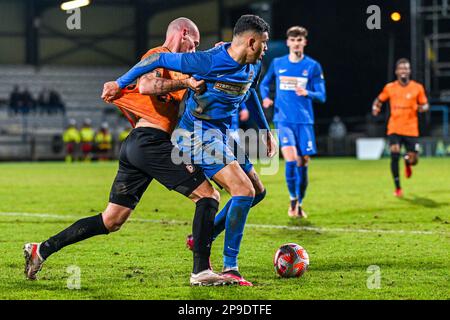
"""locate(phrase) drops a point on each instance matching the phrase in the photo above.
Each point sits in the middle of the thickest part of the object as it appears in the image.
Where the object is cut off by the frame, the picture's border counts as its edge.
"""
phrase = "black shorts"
(411, 143)
(146, 155)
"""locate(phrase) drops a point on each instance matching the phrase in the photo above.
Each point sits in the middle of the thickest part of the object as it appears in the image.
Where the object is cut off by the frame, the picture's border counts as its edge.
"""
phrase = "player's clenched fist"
(375, 110)
(272, 146)
(198, 86)
(267, 103)
(111, 91)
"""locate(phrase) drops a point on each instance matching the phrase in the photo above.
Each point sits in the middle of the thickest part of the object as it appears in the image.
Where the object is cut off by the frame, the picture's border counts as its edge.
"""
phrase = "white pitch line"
(257, 226)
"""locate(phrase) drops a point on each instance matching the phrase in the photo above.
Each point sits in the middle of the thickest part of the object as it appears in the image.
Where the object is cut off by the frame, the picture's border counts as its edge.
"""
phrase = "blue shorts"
(296, 135)
(209, 148)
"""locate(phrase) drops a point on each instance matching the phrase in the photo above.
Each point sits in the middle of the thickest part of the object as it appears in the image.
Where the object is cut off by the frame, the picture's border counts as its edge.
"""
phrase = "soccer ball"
(291, 261)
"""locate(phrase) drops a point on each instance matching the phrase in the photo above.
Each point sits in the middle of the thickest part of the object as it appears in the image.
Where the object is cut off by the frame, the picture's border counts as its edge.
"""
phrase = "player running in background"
(299, 82)
(152, 108)
(406, 97)
(230, 72)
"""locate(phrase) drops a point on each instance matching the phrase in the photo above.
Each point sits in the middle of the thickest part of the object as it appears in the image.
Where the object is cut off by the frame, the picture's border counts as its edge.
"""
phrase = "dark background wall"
(354, 58)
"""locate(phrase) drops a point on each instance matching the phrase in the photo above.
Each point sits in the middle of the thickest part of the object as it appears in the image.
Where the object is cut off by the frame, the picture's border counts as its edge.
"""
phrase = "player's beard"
(404, 79)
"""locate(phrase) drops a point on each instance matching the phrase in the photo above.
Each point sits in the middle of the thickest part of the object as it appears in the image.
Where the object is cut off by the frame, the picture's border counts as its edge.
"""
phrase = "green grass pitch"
(354, 223)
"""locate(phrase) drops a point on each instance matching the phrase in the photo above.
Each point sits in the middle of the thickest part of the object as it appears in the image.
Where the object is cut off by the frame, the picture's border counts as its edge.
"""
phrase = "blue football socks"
(291, 178)
(302, 183)
(234, 229)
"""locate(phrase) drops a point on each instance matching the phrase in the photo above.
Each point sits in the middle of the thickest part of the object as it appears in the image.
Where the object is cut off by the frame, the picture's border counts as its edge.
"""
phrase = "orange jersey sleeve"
(158, 109)
(384, 95)
(422, 97)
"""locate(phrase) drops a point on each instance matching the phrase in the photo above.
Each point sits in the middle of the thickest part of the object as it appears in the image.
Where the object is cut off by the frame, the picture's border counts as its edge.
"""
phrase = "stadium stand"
(79, 88)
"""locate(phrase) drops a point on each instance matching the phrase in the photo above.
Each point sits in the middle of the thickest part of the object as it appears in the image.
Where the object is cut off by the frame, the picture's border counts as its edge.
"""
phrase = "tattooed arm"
(153, 84)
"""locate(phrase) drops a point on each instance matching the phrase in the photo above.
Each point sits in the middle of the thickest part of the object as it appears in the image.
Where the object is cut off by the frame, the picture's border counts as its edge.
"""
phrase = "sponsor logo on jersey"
(236, 89)
(292, 83)
(282, 70)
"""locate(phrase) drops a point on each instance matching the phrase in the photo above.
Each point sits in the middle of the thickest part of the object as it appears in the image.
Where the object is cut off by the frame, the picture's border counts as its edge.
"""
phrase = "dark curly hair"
(250, 22)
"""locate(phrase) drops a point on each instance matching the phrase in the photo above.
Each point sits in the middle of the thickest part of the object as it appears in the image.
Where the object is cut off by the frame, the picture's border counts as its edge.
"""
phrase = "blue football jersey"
(288, 76)
(227, 81)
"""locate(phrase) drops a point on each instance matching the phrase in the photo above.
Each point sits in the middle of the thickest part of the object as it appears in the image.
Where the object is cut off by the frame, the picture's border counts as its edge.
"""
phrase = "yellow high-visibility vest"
(87, 134)
(71, 135)
(123, 135)
(103, 140)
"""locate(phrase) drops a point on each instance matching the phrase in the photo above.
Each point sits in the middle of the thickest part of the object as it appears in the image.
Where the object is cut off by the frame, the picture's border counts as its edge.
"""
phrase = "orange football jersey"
(404, 102)
(162, 109)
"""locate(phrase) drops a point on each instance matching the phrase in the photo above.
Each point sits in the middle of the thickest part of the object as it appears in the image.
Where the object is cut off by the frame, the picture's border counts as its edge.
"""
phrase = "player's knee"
(245, 190)
(395, 148)
(304, 161)
(114, 219)
(205, 190)
(212, 194)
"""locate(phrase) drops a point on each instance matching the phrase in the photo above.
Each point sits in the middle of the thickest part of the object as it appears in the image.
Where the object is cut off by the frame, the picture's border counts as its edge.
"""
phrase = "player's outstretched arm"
(188, 63)
(153, 84)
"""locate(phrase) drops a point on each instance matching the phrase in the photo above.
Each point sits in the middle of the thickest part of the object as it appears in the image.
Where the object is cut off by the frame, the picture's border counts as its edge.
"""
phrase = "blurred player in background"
(299, 82)
(152, 108)
(406, 97)
(71, 138)
(230, 72)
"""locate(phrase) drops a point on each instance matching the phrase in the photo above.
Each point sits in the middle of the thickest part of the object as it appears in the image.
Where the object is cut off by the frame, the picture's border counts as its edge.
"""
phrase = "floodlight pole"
(32, 33)
(414, 45)
(141, 32)
(391, 55)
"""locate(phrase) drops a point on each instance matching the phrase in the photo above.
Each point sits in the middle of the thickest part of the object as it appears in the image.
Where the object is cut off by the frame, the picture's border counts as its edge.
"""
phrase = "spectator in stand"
(103, 142)
(15, 100)
(71, 138)
(123, 134)
(337, 132)
(337, 129)
(87, 135)
(29, 104)
(56, 103)
(44, 103)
